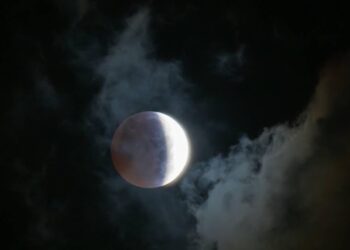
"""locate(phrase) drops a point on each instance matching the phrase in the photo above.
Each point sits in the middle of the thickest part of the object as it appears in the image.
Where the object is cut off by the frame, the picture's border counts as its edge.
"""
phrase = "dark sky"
(262, 89)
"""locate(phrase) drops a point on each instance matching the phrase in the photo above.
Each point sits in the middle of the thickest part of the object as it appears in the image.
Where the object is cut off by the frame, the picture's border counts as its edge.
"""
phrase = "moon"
(150, 149)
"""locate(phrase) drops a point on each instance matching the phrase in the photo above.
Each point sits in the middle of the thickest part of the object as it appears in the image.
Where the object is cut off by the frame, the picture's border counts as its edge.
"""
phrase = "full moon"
(150, 149)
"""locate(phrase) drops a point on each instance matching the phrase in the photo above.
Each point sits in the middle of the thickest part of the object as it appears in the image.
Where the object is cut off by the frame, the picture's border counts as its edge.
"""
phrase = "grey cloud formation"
(134, 81)
(286, 189)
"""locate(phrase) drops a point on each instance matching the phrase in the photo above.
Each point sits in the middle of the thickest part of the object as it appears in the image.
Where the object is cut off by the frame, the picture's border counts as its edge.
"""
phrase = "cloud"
(285, 189)
(70, 136)
(133, 80)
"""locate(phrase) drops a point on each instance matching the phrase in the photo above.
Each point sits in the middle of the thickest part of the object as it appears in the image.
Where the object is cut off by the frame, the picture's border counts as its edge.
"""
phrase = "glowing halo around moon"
(150, 149)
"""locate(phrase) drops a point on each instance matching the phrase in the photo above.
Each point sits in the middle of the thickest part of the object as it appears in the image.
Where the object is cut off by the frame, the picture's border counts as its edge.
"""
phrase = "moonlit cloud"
(284, 189)
(134, 80)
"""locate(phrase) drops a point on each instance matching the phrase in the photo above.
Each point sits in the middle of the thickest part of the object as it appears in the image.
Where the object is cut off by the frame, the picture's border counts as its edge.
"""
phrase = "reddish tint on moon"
(150, 149)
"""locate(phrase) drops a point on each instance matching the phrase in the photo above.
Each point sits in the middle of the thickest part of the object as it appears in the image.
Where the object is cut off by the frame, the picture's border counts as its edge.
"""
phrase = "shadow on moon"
(139, 150)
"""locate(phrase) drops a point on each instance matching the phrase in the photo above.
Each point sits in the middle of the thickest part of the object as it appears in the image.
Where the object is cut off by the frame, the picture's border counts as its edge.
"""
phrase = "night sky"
(261, 88)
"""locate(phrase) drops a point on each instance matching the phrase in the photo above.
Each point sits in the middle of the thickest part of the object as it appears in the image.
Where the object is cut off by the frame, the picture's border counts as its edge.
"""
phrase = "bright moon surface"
(177, 144)
(150, 149)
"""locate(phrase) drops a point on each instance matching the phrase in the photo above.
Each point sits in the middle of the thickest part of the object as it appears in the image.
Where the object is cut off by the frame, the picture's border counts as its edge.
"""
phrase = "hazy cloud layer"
(286, 189)
(134, 81)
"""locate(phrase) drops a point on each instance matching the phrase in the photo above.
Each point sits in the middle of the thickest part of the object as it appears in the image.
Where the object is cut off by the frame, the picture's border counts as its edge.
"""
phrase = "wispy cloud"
(133, 80)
